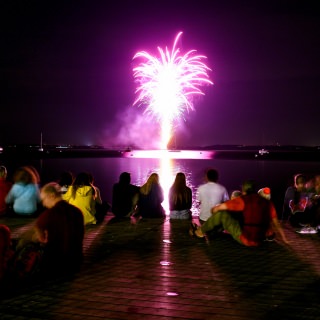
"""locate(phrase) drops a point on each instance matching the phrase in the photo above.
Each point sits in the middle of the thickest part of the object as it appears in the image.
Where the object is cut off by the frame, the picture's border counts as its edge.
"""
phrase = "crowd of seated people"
(250, 218)
(62, 210)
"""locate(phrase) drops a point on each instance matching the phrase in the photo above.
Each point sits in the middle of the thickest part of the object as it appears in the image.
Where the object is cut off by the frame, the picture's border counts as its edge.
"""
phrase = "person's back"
(84, 200)
(62, 228)
(123, 195)
(24, 194)
(65, 181)
(65, 226)
(256, 218)
(180, 198)
(151, 198)
(176, 204)
(150, 204)
(5, 187)
(210, 194)
(82, 195)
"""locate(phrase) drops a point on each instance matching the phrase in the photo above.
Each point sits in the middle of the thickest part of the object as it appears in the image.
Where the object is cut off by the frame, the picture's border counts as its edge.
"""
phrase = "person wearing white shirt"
(210, 194)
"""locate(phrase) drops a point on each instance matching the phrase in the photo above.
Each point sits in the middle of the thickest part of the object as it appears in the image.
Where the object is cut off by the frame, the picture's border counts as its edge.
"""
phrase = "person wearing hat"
(258, 214)
(265, 193)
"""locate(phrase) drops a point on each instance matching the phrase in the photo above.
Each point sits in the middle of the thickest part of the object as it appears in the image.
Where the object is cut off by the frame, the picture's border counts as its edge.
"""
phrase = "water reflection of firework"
(167, 85)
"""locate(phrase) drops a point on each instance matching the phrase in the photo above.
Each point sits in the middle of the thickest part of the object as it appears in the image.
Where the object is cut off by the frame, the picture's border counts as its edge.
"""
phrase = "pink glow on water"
(168, 83)
(167, 177)
(169, 154)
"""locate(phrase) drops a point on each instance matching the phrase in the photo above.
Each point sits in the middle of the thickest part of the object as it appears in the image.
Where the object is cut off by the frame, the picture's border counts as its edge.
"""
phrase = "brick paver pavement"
(154, 270)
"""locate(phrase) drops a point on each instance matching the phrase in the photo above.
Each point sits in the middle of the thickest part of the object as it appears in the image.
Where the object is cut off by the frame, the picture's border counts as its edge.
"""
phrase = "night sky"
(66, 70)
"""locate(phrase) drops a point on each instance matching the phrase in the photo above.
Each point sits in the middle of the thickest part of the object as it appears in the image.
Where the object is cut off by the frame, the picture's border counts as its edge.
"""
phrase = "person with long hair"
(83, 195)
(150, 198)
(180, 198)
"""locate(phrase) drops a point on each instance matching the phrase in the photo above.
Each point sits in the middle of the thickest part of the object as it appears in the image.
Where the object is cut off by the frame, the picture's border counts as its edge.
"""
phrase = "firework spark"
(168, 84)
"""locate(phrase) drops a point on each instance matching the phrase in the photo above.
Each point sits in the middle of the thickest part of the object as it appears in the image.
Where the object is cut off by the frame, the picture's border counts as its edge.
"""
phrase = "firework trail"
(167, 85)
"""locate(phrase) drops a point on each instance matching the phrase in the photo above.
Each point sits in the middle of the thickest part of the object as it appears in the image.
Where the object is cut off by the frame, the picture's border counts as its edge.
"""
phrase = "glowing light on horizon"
(171, 154)
(168, 84)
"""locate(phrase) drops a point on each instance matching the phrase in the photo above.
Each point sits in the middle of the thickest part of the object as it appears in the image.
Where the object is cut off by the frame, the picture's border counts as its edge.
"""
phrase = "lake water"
(275, 174)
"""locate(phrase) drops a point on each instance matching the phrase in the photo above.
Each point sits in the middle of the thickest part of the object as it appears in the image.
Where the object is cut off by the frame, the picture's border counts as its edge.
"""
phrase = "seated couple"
(249, 219)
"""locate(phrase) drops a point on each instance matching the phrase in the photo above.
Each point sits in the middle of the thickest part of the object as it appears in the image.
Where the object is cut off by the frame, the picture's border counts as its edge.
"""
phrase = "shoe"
(196, 233)
(307, 230)
(193, 231)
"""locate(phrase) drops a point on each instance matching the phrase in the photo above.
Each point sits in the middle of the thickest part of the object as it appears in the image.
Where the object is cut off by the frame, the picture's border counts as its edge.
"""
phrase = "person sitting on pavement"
(296, 202)
(124, 196)
(258, 213)
(60, 228)
(180, 198)
(151, 198)
(210, 194)
(24, 194)
(313, 209)
(65, 181)
(83, 195)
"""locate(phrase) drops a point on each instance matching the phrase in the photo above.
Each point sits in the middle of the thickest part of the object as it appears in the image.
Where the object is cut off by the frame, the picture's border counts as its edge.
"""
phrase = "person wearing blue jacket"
(24, 196)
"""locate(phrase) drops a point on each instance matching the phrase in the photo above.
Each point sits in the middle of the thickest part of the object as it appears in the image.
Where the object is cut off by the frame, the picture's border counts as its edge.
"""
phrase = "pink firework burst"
(167, 84)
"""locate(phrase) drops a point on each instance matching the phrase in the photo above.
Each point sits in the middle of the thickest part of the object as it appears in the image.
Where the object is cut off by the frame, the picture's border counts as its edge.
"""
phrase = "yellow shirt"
(85, 201)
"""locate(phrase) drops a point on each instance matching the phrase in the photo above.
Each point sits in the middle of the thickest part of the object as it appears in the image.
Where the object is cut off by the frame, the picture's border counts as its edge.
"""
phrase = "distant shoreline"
(272, 153)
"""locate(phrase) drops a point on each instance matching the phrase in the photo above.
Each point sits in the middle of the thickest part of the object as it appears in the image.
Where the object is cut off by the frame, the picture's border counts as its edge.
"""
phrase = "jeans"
(182, 214)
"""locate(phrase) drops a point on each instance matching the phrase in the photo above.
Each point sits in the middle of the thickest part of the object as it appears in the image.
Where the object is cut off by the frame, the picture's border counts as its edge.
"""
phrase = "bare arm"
(219, 207)
(278, 228)
(236, 204)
